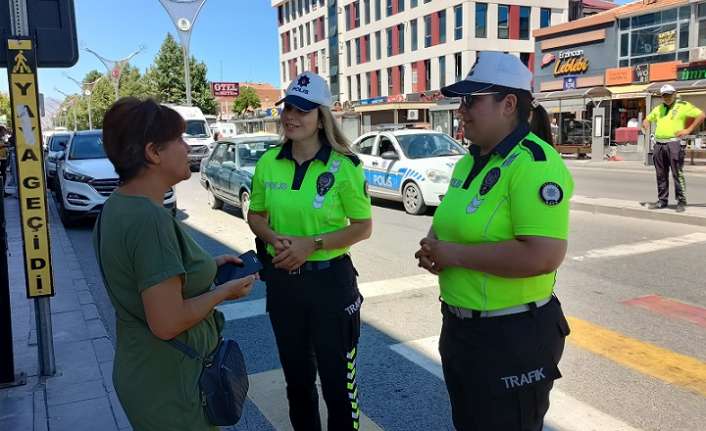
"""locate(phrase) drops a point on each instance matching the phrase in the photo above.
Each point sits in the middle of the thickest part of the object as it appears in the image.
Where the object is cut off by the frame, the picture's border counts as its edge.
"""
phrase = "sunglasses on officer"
(468, 100)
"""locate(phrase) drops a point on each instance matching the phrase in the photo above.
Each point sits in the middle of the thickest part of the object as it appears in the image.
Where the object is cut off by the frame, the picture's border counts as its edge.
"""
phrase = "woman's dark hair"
(539, 124)
(129, 125)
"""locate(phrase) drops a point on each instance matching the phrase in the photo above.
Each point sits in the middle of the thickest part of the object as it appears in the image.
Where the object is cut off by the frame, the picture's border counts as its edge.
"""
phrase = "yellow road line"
(654, 361)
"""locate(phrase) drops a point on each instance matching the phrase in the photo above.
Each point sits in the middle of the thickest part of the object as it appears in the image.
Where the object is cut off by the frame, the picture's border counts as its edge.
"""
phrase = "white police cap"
(307, 92)
(667, 89)
(491, 69)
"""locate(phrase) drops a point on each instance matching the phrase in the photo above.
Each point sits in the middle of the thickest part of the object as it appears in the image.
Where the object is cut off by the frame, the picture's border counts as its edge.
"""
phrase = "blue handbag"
(224, 379)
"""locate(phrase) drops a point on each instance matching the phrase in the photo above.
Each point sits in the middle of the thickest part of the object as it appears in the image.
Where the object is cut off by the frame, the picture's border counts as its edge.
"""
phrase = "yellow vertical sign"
(22, 68)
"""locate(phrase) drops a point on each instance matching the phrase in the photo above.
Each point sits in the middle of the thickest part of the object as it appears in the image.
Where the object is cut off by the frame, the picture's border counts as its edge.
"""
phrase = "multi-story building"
(391, 51)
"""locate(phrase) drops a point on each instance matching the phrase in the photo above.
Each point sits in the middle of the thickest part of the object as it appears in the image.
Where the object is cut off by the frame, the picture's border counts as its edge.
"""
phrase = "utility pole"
(72, 103)
(115, 67)
(184, 13)
(87, 90)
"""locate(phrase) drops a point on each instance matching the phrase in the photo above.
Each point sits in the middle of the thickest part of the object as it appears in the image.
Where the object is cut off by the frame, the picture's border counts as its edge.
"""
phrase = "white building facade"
(370, 49)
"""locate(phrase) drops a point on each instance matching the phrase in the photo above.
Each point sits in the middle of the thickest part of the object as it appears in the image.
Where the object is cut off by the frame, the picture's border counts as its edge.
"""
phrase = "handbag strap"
(177, 344)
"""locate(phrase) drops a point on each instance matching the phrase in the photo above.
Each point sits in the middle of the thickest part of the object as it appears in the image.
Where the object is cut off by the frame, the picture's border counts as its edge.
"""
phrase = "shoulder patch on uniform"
(353, 158)
(536, 150)
(551, 193)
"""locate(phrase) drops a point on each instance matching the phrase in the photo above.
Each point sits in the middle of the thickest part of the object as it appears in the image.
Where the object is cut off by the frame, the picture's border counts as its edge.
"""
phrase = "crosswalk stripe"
(267, 392)
(654, 361)
(565, 413)
(643, 247)
(246, 309)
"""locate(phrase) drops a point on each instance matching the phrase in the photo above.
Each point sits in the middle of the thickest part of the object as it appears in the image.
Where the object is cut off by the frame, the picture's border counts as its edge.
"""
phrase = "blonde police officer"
(309, 205)
(671, 117)
(496, 242)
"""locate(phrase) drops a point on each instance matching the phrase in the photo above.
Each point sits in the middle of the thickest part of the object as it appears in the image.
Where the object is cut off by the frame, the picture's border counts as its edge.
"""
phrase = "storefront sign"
(398, 98)
(667, 42)
(642, 73)
(225, 89)
(373, 101)
(691, 71)
(619, 76)
(570, 83)
(571, 62)
(548, 59)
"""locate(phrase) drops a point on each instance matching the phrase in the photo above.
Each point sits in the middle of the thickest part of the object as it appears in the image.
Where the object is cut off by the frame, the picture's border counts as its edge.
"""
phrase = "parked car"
(86, 178)
(227, 172)
(411, 166)
(56, 144)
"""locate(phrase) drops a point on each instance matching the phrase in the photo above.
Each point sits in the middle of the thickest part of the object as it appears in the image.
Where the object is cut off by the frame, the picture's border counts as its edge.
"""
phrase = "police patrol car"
(411, 166)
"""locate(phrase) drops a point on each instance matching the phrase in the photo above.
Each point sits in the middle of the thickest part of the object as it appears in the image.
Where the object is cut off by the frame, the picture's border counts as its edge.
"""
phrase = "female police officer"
(309, 205)
(496, 242)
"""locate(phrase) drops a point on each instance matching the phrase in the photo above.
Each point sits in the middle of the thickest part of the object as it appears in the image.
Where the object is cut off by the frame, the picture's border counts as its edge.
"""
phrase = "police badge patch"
(491, 178)
(551, 193)
(323, 184)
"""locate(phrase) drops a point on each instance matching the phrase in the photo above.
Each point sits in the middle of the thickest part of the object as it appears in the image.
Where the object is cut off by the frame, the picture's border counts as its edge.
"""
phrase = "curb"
(639, 212)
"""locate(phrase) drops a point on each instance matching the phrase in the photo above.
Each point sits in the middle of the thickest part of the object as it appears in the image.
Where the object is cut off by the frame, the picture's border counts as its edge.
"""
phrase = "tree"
(165, 78)
(247, 100)
(5, 109)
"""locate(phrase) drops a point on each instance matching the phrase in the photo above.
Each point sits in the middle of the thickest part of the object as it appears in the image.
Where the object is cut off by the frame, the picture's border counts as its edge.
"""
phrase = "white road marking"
(565, 414)
(246, 309)
(267, 392)
(644, 247)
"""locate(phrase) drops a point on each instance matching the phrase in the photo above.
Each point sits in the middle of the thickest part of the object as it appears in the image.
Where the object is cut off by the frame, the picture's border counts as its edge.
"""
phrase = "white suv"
(85, 178)
(411, 166)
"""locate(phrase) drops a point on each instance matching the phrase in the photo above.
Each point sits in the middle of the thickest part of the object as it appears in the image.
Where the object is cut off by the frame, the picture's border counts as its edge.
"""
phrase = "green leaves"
(247, 100)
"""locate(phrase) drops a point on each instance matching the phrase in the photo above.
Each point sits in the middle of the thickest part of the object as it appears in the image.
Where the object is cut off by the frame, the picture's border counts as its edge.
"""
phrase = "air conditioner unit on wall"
(697, 54)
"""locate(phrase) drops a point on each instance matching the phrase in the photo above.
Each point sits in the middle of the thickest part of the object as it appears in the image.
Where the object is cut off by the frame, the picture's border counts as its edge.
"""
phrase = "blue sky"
(238, 37)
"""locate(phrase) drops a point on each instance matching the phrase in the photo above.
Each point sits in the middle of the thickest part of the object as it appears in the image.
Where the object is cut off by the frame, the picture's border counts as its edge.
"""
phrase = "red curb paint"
(670, 308)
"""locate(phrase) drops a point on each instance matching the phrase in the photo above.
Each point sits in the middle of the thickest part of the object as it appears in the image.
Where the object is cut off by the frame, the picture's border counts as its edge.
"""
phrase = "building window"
(458, 22)
(348, 17)
(308, 33)
(413, 3)
(400, 6)
(357, 81)
(357, 50)
(284, 72)
(366, 6)
(306, 6)
(503, 28)
(658, 37)
(286, 11)
(545, 17)
(427, 71)
(481, 20)
(356, 17)
(427, 31)
(378, 84)
(442, 26)
(390, 90)
(401, 69)
(400, 36)
(413, 30)
(369, 88)
(378, 45)
(294, 36)
(377, 10)
(442, 72)
(525, 22)
(367, 48)
(280, 15)
(323, 60)
(389, 42)
(389, 8)
(301, 36)
(348, 53)
(300, 7)
(350, 89)
(458, 66)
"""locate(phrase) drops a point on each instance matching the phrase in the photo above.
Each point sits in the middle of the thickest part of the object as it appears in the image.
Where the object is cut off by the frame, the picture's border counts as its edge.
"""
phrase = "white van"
(198, 133)
(227, 130)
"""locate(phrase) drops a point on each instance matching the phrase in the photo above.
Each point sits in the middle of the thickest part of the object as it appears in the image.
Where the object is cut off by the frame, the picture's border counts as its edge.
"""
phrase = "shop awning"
(580, 93)
(628, 91)
(390, 106)
(684, 86)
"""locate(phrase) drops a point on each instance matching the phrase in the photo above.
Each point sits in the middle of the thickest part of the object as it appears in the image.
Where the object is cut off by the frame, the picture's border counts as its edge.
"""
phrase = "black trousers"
(3, 170)
(315, 317)
(666, 156)
(499, 371)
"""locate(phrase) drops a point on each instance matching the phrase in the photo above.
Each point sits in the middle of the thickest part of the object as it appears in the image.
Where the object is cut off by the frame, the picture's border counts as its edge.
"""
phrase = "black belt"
(316, 265)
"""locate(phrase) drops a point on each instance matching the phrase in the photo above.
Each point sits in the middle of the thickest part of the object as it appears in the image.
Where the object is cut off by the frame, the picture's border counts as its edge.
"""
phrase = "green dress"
(141, 246)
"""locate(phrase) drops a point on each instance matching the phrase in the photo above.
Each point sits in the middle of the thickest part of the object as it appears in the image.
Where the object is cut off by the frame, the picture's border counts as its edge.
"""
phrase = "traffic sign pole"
(22, 71)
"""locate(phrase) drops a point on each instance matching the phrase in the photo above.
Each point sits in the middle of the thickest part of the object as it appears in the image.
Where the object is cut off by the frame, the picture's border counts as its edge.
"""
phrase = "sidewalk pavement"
(629, 166)
(694, 215)
(81, 395)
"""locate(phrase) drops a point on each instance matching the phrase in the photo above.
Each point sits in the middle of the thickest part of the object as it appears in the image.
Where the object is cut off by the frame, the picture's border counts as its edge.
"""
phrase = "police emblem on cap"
(551, 193)
(303, 81)
(491, 178)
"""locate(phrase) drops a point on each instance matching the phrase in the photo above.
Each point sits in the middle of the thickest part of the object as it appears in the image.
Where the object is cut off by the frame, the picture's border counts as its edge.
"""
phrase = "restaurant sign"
(691, 71)
(571, 62)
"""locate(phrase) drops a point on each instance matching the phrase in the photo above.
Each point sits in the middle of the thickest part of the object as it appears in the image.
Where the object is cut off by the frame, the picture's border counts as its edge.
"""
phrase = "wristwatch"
(318, 243)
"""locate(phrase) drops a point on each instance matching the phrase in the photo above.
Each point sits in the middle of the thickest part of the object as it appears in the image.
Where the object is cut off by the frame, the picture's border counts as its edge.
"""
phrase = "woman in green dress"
(158, 278)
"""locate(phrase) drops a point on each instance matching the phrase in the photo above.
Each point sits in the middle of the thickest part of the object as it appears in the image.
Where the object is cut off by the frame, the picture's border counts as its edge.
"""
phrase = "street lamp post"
(115, 67)
(183, 13)
(87, 90)
(72, 103)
